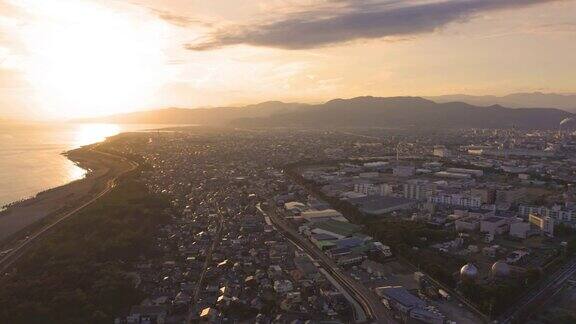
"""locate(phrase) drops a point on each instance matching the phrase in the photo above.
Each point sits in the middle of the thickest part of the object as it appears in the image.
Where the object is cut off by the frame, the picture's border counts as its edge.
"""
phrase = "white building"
(386, 189)
(370, 189)
(418, 190)
(557, 212)
(456, 200)
(473, 172)
(379, 164)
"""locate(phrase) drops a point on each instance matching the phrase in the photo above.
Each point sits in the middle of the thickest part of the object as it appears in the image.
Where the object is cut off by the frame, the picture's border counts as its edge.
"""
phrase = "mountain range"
(356, 112)
(201, 116)
(516, 100)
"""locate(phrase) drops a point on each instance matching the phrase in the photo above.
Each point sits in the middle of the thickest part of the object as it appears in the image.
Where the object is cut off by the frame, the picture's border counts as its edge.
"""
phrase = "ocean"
(31, 157)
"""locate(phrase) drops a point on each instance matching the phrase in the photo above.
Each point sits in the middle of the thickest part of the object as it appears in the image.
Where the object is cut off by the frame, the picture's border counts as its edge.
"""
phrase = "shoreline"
(30, 198)
(68, 137)
(23, 216)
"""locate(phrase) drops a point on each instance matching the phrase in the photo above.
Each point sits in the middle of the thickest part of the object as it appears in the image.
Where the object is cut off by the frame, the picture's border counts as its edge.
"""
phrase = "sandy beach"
(23, 216)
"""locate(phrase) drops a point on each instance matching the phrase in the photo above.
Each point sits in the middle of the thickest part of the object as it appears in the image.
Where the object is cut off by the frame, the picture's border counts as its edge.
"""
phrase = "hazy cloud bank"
(350, 20)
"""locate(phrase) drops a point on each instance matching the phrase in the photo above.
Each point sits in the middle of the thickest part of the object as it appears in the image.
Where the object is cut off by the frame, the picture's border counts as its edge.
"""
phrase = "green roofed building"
(336, 228)
(325, 245)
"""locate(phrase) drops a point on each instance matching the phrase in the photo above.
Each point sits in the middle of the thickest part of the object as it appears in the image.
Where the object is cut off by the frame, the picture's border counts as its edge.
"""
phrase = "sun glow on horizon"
(69, 59)
(85, 134)
(84, 59)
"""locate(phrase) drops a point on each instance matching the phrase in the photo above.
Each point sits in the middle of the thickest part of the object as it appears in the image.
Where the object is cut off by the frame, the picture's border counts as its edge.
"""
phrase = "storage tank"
(500, 269)
(469, 272)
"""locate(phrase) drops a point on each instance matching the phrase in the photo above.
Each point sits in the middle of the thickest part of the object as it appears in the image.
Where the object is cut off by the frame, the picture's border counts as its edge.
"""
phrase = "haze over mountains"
(516, 100)
(203, 116)
(355, 112)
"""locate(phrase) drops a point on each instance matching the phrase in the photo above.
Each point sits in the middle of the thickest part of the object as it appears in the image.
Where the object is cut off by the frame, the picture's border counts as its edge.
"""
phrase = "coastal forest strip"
(78, 273)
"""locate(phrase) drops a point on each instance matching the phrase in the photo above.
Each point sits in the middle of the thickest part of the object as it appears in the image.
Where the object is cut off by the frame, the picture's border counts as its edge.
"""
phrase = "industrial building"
(382, 205)
(494, 225)
(410, 308)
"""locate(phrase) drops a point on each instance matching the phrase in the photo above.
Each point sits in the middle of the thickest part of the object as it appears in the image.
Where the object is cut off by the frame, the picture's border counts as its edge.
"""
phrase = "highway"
(369, 302)
(13, 253)
(539, 296)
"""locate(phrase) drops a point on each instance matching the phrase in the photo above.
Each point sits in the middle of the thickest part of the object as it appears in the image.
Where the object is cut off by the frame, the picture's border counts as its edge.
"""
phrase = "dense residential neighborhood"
(249, 235)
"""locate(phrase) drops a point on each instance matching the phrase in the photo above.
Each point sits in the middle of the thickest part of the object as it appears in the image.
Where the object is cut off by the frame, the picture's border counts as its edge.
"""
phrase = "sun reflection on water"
(75, 172)
(93, 133)
(85, 134)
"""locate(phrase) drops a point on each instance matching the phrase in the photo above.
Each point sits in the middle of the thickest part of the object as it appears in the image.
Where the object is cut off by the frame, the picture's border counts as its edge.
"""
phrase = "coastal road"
(539, 296)
(369, 302)
(9, 256)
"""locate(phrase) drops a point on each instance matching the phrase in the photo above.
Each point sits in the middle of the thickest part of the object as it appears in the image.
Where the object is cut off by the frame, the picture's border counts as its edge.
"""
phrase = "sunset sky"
(78, 58)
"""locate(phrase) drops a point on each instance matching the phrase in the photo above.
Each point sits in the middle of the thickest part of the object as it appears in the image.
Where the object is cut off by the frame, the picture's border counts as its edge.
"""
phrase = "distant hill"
(412, 112)
(356, 112)
(204, 116)
(516, 100)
